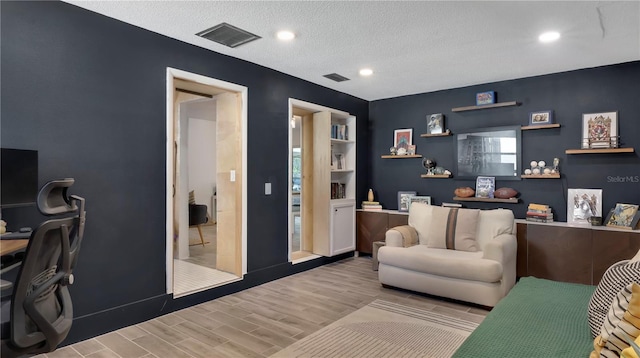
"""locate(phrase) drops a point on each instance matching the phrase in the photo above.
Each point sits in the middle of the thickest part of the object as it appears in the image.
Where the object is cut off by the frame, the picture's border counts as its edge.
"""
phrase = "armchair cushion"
(442, 262)
(453, 229)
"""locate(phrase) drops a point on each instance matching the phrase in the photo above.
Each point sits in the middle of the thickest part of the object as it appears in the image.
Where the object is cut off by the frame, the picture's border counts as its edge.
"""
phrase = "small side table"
(374, 256)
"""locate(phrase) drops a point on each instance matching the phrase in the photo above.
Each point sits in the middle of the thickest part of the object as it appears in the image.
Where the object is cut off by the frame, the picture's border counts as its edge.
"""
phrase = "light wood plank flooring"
(262, 320)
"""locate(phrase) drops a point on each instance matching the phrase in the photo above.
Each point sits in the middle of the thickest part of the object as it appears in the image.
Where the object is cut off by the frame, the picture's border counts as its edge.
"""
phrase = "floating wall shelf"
(599, 151)
(485, 106)
(400, 156)
(540, 176)
(487, 200)
(435, 176)
(445, 134)
(541, 126)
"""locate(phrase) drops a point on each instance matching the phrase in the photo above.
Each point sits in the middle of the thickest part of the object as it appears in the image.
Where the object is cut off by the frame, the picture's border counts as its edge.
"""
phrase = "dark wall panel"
(569, 95)
(88, 92)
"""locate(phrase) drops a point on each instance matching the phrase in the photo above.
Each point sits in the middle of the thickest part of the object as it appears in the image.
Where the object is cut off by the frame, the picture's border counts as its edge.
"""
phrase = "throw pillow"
(623, 321)
(453, 229)
(192, 198)
(617, 276)
(630, 352)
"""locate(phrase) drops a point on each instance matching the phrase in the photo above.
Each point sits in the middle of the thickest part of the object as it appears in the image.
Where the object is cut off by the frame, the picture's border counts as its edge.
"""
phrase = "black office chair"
(40, 309)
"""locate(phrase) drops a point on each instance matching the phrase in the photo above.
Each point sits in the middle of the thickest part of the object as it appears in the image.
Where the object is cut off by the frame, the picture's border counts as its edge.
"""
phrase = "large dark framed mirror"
(494, 151)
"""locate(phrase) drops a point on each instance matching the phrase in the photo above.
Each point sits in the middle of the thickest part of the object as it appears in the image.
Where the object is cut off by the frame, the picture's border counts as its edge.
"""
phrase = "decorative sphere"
(547, 171)
(536, 171)
(533, 164)
(527, 171)
(541, 163)
(428, 163)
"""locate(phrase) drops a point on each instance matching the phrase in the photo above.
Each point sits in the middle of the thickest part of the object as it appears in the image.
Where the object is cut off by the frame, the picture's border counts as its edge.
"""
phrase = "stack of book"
(371, 206)
(338, 191)
(340, 131)
(539, 213)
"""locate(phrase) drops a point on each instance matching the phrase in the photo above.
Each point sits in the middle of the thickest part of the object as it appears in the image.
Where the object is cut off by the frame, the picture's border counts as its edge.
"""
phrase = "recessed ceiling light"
(286, 35)
(366, 72)
(549, 36)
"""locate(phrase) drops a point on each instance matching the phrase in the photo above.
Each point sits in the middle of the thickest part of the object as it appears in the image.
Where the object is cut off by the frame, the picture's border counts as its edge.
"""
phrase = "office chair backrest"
(41, 309)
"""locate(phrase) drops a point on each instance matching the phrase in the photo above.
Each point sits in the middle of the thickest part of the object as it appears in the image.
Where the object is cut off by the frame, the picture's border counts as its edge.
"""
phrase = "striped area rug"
(385, 329)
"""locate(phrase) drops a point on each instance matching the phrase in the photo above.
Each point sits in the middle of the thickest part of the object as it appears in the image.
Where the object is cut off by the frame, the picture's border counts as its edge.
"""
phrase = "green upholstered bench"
(538, 318)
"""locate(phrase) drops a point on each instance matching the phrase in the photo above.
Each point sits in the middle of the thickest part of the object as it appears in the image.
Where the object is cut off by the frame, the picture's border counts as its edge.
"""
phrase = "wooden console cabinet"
(372, 225)
(579, 254)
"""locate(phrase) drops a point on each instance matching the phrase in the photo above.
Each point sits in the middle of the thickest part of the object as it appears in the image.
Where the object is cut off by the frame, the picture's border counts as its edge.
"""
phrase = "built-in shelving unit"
(487, 200)
(435, 176)
(401, 156)
(599, 151)
(444, 134)
(541, 126)
(540, 176)
(485, 106)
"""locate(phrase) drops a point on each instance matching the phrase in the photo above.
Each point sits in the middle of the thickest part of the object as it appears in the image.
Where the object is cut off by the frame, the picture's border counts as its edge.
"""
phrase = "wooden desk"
(11, 246)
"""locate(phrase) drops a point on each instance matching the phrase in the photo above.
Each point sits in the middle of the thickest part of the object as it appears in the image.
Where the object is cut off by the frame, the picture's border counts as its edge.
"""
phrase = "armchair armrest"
(501, 248)
(401, 236)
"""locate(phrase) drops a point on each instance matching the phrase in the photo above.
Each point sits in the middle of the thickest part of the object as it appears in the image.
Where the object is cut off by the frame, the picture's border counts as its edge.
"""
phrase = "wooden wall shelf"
(445, 134)
(541, 126)
(435, 176)
(487, 200)
(540, 176)
(401, 156)
(599, 151)
(485, 106)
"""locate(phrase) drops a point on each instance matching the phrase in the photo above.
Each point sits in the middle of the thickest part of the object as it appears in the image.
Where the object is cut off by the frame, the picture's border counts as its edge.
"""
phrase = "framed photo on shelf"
(419, 199)
(582, 204)
(488, 97)
(485, 186)
(600, 130)
(402, 138)
(404, 199)
(540, 117)
(624, 216)
(411, 150)
(435, 123)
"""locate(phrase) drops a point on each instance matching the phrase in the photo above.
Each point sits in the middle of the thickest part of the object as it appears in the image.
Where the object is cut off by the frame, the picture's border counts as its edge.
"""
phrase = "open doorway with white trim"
(206, 182)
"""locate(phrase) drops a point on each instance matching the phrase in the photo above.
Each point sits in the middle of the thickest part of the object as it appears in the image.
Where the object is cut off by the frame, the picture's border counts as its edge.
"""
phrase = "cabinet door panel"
(342, 228)
(610, 247)
(371, 227)
(559, 253)
(521, 257)
(397, 220)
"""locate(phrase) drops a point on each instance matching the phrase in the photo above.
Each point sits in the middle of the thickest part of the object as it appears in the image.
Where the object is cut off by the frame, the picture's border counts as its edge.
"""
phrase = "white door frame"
(173, 73)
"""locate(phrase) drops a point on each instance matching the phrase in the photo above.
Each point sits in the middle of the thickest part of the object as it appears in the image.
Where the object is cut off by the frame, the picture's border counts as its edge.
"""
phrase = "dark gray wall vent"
(228, 35)
(336, 77)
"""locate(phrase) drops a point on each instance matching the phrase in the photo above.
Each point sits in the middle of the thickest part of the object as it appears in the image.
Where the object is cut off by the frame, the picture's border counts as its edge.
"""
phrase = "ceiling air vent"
(336, 77)
(228, 35)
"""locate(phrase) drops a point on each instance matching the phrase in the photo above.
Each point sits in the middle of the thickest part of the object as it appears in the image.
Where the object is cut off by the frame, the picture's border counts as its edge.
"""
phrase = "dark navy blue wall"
(89, 92)
(569, 95)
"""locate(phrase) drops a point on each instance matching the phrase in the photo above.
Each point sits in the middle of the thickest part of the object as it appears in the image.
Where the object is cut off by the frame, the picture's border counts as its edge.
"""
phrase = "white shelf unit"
(333, 215)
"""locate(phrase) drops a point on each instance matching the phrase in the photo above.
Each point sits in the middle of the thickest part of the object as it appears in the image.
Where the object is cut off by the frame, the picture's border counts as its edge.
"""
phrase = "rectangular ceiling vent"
(336, 77)
(228, 35)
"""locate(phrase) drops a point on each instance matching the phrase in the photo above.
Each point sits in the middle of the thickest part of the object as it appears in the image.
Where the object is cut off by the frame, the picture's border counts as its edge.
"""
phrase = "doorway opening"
(206, 183)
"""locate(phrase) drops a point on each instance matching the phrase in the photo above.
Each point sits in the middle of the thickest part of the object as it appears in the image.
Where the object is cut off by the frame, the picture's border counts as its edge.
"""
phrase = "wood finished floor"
(262, 320)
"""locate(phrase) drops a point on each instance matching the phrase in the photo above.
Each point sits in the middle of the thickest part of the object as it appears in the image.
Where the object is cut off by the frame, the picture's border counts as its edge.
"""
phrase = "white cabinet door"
(343, 226)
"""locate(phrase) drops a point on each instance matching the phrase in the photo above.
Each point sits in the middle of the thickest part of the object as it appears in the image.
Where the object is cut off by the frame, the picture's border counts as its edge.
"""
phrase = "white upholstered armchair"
(463, 254)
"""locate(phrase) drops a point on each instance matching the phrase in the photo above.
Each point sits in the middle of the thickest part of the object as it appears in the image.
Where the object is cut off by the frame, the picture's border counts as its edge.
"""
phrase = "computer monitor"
(19, 177)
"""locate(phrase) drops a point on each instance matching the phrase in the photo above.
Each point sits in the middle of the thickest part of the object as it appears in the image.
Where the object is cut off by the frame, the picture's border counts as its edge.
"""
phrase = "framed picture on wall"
(435, 123)
(404, 199)
(600, 130)
(402, 138)
(540, 117)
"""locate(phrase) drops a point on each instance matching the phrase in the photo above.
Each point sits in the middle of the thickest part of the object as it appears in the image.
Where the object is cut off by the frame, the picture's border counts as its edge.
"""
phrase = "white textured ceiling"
(413, 47)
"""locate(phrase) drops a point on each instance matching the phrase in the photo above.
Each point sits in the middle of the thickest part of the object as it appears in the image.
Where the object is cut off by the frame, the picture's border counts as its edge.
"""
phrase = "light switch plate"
(233, 176)
(267, 188)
